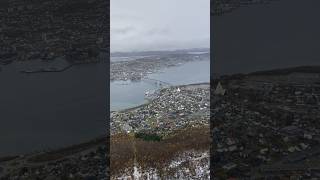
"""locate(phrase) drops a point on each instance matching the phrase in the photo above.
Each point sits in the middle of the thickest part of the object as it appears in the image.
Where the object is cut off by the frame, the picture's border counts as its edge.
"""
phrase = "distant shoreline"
(96, 140)
(62, 150)
(304, 69)
(54, 69)
(150, 101)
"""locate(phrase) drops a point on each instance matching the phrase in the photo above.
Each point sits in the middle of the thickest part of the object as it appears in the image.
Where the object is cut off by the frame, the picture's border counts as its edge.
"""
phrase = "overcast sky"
(141, 25)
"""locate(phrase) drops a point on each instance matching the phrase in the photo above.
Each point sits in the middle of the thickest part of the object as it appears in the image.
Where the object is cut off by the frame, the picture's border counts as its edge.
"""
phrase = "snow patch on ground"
(186, 165)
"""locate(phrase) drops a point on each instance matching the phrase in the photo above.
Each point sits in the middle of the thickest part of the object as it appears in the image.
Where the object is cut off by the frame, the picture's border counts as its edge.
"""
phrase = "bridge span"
(157, 82)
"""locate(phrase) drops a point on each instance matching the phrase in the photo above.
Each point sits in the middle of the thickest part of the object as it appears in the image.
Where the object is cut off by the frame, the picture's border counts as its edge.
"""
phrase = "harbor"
(127, 94)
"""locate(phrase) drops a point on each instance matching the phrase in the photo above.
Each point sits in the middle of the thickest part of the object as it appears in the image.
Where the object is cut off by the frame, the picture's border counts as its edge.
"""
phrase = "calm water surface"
(126, 94)
(51, 110)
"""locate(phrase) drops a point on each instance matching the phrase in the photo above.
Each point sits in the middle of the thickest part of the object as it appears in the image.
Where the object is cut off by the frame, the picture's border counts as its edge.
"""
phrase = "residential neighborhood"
(265, 125)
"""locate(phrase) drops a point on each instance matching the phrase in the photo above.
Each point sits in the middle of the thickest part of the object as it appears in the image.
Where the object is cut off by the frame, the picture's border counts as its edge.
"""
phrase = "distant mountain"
(271, 72)
(221, 7)
(150, 53)
(286, 71)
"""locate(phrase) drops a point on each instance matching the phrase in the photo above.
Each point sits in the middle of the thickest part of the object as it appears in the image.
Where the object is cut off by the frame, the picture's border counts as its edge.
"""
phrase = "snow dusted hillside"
(187, 165)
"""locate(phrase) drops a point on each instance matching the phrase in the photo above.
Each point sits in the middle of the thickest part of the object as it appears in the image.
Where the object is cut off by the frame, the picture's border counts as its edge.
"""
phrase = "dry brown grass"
(121, 153)
(155, 154)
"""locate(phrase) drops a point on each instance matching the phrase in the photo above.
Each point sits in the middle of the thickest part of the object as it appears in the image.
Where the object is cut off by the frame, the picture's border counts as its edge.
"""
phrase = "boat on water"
(30, 71)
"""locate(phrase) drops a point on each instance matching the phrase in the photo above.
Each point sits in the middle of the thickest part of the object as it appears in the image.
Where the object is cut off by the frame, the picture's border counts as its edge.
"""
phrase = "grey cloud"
(158, 31)
(159, 24)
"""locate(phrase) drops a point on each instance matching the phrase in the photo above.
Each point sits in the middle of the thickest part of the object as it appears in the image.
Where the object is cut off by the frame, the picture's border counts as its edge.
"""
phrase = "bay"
(127, 94)
(41, 111)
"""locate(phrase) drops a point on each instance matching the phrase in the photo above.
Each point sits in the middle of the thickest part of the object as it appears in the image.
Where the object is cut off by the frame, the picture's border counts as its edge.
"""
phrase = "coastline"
(52, 164)
(63, 150)
(55, 69)
(150, 101)
(96, 140)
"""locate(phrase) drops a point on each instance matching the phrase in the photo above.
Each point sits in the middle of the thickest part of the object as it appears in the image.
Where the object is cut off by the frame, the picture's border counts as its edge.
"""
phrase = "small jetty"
(49, 69)
(39, 66)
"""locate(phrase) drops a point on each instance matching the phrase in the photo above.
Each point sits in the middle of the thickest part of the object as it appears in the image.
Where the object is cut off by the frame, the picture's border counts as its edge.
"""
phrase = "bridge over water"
(156, 82)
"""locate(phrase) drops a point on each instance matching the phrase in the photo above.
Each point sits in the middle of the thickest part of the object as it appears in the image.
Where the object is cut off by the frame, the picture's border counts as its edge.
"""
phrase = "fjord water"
(51, 110)
(127, 94)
